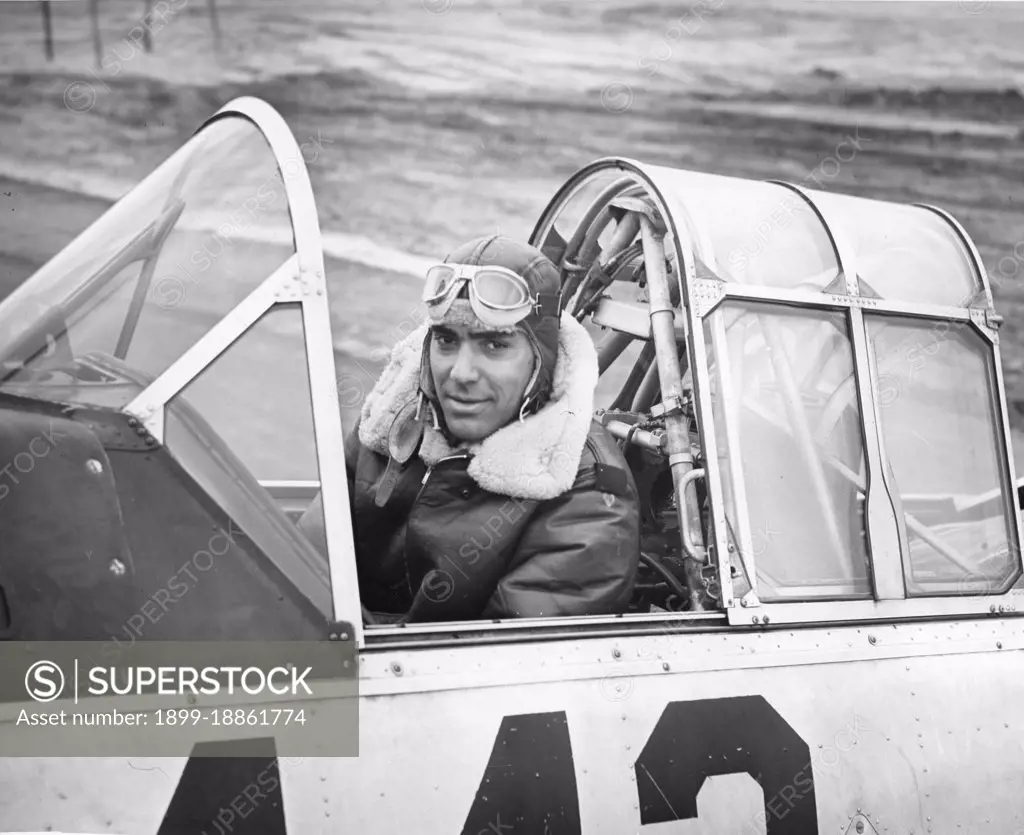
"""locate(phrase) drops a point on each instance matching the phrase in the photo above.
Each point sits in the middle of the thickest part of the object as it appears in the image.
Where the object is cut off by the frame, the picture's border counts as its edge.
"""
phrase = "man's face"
(480, 378)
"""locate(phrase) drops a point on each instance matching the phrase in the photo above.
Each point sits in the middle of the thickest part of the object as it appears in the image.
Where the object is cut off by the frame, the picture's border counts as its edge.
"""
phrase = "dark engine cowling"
(104, 536)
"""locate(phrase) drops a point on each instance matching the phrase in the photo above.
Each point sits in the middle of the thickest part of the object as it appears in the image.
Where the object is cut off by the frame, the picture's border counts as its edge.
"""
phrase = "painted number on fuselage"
(530, 781)
(693, 741)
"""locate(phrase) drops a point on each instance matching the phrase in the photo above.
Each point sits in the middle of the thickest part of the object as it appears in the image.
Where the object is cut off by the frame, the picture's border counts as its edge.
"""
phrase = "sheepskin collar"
(536, 458)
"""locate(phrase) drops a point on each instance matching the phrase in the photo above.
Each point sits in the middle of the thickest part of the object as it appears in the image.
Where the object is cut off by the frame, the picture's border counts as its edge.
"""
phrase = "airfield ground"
(464, 118)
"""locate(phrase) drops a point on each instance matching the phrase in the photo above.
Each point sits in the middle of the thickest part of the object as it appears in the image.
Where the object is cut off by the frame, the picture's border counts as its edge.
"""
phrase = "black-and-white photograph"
(529, 417)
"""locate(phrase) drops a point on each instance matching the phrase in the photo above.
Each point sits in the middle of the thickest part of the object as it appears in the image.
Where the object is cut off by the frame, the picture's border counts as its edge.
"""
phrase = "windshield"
(144, 283)
(904, 253)
(786, 411)
(756, 233)
(937, 393)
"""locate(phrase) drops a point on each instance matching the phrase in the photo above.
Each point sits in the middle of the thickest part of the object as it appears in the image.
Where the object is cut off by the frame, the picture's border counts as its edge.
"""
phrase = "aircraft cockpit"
(806, 385)
(832, 434)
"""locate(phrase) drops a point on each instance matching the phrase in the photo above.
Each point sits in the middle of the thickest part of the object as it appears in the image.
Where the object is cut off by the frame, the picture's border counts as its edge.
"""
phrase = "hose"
(669, 577)
(578, 238)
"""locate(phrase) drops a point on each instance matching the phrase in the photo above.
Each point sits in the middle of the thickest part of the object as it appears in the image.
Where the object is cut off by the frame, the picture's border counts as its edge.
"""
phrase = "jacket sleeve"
(312, 522)
(578, 556)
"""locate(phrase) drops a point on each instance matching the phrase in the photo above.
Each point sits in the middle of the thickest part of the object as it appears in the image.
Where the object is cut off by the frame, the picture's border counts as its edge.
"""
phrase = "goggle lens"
(497, 289)
(439, 281)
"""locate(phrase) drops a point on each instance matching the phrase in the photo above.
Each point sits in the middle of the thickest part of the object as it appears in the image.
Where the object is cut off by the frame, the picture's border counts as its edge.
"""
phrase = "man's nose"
(464, 370)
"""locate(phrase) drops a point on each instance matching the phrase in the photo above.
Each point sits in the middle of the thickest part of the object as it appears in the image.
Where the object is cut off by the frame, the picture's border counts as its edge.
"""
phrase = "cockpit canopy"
(149, 280)
(842, 354)
(197, 305)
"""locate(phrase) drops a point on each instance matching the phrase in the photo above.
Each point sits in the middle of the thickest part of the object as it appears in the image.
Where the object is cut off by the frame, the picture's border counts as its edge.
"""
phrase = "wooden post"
(97, 41)
(214, 22)
(147, 36)
(47, 30)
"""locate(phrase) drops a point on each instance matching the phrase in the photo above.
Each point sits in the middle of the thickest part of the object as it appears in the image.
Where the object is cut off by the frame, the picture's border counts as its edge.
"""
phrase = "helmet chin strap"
(532, 400)
(437, 419)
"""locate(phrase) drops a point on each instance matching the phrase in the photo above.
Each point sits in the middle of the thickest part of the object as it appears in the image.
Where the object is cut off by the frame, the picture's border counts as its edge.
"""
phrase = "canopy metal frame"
(888, 537)
(301, 279)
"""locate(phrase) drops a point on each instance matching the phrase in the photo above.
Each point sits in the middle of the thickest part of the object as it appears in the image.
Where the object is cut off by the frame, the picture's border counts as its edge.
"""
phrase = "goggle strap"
(549, 304)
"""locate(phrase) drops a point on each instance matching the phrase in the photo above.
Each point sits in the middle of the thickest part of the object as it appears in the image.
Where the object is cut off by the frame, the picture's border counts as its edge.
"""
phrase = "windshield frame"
(300, 278)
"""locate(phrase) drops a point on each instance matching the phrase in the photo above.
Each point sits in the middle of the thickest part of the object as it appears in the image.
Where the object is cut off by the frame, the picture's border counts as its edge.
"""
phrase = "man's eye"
(443, 340)
(497, 345)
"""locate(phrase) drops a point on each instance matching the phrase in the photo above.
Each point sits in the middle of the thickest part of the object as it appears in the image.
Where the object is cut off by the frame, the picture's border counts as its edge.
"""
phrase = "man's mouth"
(460, 403)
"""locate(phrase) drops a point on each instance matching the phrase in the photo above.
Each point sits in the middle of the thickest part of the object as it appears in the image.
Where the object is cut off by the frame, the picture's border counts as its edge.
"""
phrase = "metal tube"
(686, 530)
(164, 224)
(671, 379)
(572, 248)
(611, 348)
(648, 388)
(917, 527)
(623, 236)
(644, 362)
(601, 220)
(583, 245)
(654, 441)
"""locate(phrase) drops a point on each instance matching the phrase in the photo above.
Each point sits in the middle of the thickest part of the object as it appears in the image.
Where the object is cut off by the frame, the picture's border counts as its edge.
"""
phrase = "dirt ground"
(435, 128)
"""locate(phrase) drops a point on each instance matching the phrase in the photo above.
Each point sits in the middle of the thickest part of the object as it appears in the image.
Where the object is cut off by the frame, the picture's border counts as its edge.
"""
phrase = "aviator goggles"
(499, 297)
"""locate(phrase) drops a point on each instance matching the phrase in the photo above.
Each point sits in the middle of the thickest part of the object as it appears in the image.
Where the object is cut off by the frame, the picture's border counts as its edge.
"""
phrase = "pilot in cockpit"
(481, 486)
